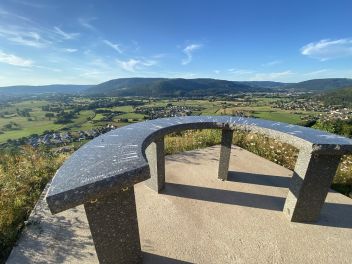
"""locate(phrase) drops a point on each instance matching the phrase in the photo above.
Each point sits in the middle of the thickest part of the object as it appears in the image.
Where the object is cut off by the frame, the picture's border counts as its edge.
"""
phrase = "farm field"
(24, 118)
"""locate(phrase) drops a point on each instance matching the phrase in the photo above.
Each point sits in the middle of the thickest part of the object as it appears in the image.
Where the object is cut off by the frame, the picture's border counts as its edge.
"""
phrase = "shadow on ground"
(155, 259)
(332, 214)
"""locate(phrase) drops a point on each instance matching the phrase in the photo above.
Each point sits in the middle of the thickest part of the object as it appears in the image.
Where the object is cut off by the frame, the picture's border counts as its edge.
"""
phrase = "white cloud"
(240, 71)
(22, 37)
(272, 63)
(71, 50)
(317, 72)
(92, 73)
(272, 76)
(49, 68)
(64, 34)
(327, 49)
(132, 65)
(23, 31)
(116, 47)
(216, 71)
(128, 65)
(189, 52)
(14, 60)
(159, 55)
(86, 22)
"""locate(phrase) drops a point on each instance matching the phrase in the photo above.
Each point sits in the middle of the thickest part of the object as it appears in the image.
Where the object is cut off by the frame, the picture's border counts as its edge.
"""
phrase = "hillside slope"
(169, 87)
(54, 88)
(342, 96)
(320, 84)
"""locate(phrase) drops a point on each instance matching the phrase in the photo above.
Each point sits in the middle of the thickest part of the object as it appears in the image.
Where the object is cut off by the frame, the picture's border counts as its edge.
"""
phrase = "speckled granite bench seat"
(101, 174)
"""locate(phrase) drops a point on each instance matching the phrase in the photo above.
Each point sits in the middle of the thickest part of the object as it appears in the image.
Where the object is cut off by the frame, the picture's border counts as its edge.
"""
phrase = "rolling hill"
(342, 96)
(320, 84)
(164, 87)
(170, 87)
(266, 84)
(32, 90)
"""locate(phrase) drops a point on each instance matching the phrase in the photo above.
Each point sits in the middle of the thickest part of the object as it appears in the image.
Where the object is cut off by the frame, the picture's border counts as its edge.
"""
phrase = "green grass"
(98, 117)
(38, 128)
(281, 116)
(82, 122)
(131, 116)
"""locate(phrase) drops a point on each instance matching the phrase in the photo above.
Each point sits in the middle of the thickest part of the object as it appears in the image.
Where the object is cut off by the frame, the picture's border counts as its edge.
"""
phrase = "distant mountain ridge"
(266, 84)
(40, 89)
(320, 84)
(172, 87)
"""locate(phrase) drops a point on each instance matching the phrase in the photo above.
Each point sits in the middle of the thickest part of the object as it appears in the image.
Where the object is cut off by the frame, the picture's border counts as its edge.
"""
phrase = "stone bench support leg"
(225, 152)
(309, 186)
(114, 227)
(156, 158)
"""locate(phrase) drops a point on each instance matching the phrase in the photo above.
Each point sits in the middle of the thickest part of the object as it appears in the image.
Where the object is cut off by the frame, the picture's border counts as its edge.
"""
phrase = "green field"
(14, 126)
(281, 116)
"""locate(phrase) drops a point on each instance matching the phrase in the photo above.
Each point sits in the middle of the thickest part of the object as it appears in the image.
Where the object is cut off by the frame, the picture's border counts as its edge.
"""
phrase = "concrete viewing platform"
(198, 218)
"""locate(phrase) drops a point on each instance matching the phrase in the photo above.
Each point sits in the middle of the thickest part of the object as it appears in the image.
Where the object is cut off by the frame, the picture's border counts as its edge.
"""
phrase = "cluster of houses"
(326, 112)
(167, 111)
(62, 138)
(301, 105)
(337, 114)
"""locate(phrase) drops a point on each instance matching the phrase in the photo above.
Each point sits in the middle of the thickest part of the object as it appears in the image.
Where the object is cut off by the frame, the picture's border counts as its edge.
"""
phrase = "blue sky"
(87, 42)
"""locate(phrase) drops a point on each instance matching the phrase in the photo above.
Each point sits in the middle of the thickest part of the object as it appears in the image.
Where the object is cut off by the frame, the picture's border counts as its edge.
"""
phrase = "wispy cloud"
(159, 55)
(114, 46)
(272, 76)
(14, 60)
(22, 37)
(65, 35)
(216, 71)
(327, 49)
(70, 50)
(48, 68)
(240, 71)
(131, 65)
(86, 22)
(11, 16)
(189, 52)
(26, 32)
(272, 63)
(317, 72)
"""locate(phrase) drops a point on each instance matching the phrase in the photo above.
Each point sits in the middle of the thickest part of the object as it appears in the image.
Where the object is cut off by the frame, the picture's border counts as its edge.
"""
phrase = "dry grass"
(23, 176)
(273, 150)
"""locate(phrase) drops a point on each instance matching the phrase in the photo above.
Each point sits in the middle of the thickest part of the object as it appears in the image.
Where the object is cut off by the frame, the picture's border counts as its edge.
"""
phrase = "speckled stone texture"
(309, 186)
(114, 227)
(116, 160)
(156, 160)
(106, 169)
(225, 152)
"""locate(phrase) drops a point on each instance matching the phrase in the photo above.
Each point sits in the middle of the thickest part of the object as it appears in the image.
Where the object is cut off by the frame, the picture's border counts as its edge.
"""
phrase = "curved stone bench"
(101, 174)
